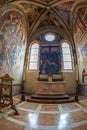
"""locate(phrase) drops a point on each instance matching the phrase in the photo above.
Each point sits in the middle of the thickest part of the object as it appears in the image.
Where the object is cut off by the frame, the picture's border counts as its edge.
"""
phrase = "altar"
(50, 88)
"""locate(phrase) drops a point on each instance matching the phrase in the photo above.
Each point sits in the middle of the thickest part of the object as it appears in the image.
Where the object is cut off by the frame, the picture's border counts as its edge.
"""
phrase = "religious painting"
(50, 60)
(12, 43)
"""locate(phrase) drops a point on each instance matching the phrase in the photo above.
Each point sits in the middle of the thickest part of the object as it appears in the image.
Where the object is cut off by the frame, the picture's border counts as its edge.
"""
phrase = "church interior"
(43, 64)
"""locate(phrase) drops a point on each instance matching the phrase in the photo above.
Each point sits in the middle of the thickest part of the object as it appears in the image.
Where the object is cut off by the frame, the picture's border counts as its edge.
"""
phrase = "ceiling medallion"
(50, 37)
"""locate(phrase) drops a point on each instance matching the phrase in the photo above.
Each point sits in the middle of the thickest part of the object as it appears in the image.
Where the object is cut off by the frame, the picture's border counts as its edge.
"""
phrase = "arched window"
(34, 53)
(67, 61)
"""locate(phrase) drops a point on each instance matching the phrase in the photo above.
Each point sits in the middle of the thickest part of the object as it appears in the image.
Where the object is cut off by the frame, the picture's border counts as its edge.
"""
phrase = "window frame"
(70, 61)
(29, 56)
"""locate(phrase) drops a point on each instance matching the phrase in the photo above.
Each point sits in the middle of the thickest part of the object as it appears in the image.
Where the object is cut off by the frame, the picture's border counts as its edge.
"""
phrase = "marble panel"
(78, 116)
(69, 106)
(8, 125)
(83, 127)
(51, 107)
(28, 105)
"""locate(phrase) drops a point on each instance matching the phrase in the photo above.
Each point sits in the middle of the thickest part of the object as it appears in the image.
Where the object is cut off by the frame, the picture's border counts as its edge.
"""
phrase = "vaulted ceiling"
(68, 16)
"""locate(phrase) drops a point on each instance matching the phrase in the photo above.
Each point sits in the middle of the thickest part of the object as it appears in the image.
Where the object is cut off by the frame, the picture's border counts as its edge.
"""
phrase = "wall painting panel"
(12, 44)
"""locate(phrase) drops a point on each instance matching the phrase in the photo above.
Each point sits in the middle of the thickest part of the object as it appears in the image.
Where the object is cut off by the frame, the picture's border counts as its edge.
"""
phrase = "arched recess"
(51, 50)
(76, 6)
(79, 12)
(46, 29)
(13, 39)
(59, 20)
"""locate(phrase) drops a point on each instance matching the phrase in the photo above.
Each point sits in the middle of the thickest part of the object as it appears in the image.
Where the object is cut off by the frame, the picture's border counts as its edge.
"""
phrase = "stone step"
(50, 97)
(71, 99)
(50, 94)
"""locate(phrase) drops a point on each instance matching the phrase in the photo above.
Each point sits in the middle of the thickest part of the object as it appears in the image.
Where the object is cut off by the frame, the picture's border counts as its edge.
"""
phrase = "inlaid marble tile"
(83, 127)
(48, 119)
(39, 119)
(24, 116)
(84, 103)
(28, 105)
(78, 116)
(49, 107)
(7, 125)
(69, 106)
(53, 119)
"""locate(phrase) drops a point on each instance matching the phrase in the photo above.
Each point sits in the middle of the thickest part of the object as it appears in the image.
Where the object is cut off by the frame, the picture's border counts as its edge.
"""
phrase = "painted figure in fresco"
(11, 41)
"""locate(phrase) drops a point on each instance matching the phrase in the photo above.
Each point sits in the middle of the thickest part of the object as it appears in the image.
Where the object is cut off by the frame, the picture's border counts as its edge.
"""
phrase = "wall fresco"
(50, 60)
(80, 22)
(12, 44)
(50, 55)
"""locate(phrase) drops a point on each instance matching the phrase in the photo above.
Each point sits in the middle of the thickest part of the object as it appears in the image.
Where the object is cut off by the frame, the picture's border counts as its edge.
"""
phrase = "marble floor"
(35, 116)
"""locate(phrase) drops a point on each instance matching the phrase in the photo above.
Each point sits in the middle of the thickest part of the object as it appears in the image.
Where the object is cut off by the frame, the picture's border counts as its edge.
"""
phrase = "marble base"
(50, 88)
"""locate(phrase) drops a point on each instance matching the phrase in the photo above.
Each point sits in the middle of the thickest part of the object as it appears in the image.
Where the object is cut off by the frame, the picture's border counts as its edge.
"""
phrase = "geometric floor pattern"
(36, 116)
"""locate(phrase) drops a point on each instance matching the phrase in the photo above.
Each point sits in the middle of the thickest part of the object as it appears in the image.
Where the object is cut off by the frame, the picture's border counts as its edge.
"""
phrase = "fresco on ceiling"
(66, 5)
(46, 22)
(64, 10)
(65, 15)
(12, 44)
(32, 12)
(50, 20)
(57, 23)
(47, 1)
(2, 1)
(80, 22)
(85, 17)
(50, 60)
